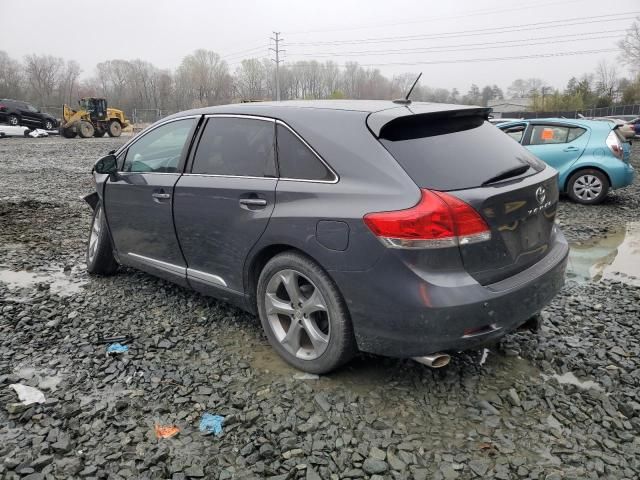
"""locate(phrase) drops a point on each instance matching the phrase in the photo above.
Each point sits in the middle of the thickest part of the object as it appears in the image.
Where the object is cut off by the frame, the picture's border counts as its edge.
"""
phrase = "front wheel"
(85, 129)
(100, 259)
(48, 125)
(588, 186)
(114, 129)
(303, 314)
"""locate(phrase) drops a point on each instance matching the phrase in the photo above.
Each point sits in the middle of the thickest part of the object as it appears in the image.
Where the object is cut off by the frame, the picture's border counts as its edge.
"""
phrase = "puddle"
(60, 282)
(569, 378)
(615, 257)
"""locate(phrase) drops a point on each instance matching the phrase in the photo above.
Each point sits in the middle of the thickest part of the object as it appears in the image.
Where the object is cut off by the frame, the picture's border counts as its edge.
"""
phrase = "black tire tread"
(104, 263)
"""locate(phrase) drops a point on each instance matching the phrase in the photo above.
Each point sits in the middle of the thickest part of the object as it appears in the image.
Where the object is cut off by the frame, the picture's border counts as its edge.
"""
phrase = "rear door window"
(454, 153)
(236, 146)
(297, 161)
(554, 134)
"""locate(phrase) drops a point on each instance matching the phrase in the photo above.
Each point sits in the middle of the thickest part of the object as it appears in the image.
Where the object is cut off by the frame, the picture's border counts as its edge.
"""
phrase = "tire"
(322, 316)
(99, 255)
(48, 125)
(85, 129)
(114, 129)
(588, 186)
(13, 120)
(67, 132)
(98, 133)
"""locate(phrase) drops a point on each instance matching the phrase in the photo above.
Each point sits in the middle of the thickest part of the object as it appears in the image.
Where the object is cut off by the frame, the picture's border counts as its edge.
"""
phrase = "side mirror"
(107, 165)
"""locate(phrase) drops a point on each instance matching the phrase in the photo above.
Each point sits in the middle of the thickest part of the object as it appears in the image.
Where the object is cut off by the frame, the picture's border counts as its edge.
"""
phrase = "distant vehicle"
(624, 127)
(636, 125)
(591, 156)
(626, 118)
(92, 119)
(345, 225)
(17, 112)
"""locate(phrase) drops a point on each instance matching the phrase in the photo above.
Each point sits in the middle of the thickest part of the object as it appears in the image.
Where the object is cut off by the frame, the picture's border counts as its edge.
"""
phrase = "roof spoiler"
(379, 122)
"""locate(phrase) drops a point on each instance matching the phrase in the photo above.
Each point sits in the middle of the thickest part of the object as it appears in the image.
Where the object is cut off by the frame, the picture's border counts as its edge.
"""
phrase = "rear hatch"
(461, 153)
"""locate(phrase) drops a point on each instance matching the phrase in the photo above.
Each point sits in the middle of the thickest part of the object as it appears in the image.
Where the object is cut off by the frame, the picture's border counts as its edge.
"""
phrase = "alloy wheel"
(587, 187)
(13, 121)
(297, 314)
(95, 234)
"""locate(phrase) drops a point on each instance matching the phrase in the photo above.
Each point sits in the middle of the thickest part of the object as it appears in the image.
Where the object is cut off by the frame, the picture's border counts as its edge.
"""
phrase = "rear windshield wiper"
(512, 172)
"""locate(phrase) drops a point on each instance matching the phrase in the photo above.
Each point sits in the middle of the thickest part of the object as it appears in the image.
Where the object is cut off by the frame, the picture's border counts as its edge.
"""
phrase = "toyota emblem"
(541, 195)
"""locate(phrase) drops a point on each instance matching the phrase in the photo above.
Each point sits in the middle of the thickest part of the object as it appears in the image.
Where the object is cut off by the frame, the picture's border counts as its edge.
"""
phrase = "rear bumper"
(397, 311)
(622, 176)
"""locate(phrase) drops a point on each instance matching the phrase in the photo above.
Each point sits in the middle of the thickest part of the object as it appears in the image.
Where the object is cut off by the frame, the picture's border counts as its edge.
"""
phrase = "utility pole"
(277, 61)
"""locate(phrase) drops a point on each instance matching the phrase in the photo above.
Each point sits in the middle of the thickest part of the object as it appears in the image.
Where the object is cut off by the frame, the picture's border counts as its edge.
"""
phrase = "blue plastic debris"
(211, 424)
(117, 348)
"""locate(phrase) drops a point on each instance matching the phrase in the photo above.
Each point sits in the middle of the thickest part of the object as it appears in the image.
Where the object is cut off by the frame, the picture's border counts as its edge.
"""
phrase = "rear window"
(454, 153)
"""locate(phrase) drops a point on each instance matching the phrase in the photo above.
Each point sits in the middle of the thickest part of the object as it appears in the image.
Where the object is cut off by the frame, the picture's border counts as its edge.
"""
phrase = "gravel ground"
(563, 404)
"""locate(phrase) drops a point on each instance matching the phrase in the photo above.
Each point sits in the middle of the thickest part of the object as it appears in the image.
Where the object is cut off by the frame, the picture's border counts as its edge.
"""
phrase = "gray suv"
(402, 230)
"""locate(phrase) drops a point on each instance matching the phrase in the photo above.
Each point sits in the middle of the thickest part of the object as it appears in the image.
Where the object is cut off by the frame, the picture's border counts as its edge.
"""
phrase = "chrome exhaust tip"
(436, 360)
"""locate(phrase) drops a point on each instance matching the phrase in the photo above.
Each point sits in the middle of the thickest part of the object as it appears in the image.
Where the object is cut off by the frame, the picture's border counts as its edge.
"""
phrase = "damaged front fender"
(92, 199)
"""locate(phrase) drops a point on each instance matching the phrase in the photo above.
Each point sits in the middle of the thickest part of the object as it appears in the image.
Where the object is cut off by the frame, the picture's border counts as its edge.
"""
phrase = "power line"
(474, 13)
(481, 31)
(470, 60)
(242, 52)
(456, 48)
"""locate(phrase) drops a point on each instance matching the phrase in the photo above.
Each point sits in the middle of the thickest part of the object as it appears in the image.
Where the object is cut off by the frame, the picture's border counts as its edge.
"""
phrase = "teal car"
(591, 157)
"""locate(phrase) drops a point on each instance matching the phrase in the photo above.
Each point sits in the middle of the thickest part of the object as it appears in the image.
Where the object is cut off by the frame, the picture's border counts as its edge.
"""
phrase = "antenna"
(405, 100)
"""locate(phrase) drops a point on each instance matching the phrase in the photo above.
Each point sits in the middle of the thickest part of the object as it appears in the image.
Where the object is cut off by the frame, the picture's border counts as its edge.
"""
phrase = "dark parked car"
(17, 112)
(400, 230)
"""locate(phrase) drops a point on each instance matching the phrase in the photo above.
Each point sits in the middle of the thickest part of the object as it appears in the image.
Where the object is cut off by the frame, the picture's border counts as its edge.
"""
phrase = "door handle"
(571, 149)
(253, 202)
(161, 196)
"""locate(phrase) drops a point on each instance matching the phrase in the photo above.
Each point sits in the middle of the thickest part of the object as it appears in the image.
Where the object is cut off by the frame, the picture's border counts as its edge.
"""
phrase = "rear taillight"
(2, 108)
(614, 144)
(438, 220)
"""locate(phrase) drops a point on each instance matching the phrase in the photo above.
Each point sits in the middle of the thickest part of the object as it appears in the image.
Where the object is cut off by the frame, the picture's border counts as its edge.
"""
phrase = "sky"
(448, 41)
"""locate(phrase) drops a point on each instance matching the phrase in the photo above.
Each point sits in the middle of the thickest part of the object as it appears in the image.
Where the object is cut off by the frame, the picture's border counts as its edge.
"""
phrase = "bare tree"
(630, 46)
(69, 80)
(250, 79)
(202, 76)
(42, 73)
(606, 79)
(10, 77)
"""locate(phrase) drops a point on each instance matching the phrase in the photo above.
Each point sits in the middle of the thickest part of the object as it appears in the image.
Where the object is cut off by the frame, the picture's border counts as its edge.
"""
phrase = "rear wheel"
(303, 314)
(85, 129)
(114, 129)
(588, 186)
(13, 120)
(99, 256)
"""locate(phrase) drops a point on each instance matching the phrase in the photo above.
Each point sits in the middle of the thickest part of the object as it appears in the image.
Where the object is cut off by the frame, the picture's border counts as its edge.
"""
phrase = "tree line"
(204, 78)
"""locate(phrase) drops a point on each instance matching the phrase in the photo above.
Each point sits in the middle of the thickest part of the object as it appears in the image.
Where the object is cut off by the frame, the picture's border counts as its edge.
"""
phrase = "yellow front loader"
(92, 119)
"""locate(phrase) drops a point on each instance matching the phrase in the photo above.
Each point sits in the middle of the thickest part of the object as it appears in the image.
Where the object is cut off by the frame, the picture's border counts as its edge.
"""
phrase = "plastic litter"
(210, 423)
(166, 431)
(306, 376)
(117, 348)
(37, 133)
(28, 395)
